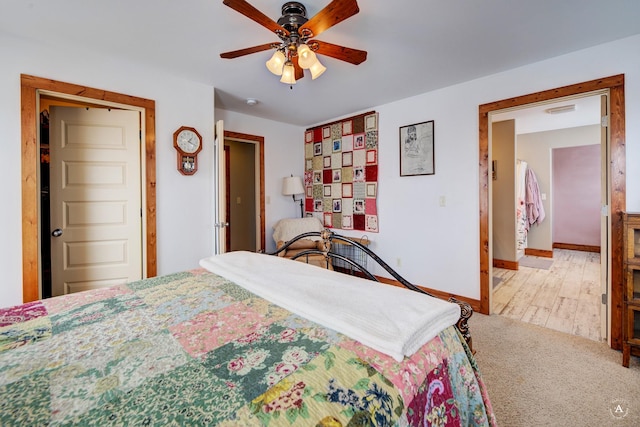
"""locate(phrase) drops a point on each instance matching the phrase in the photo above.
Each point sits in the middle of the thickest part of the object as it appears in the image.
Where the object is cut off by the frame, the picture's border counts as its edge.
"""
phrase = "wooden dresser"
(631, 314)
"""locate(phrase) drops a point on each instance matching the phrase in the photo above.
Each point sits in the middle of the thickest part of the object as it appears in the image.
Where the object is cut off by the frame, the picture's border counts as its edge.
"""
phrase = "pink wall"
(576, 195)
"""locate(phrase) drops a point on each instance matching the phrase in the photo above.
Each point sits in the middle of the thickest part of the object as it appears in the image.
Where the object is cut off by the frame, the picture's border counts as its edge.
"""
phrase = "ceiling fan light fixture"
(306, 57)
(298, 50)
(288, 73)
(275, 64)
(317, 69)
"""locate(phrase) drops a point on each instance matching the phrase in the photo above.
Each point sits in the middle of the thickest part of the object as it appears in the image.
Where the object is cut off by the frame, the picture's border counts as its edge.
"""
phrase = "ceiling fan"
(297, 49)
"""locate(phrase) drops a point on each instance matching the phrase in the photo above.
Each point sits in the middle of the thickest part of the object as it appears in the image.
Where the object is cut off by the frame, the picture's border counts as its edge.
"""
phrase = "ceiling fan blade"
(335, 12)
(347, 54)
(299, 72)
(247, 51)
(243, 7)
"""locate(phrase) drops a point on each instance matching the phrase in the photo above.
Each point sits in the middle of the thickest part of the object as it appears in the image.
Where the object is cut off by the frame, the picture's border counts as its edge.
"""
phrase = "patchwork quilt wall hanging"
(341, 173)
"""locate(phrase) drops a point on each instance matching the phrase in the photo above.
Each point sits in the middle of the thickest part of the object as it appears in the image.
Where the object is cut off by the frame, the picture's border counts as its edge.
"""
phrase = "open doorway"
(549, 242)
(244, 189)
(617, 187)
(240, 167)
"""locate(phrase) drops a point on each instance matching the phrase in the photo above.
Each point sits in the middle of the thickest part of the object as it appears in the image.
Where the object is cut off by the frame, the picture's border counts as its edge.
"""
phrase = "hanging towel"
(535, 210)
(522, 223)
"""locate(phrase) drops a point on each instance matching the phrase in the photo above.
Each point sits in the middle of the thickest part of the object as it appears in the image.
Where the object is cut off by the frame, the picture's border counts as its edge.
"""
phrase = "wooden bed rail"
(328, 237)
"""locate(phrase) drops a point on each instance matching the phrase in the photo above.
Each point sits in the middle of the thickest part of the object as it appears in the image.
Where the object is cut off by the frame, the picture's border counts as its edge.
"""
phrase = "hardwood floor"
(566, 297)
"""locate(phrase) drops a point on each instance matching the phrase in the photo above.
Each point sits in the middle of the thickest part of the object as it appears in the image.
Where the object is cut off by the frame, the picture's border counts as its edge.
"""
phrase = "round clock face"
(188, 141)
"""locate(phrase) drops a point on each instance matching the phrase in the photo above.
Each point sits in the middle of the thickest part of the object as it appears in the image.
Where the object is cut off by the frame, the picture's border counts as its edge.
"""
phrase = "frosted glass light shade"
(288, 74)
(276, 62)
(306, 57)
(317, 69)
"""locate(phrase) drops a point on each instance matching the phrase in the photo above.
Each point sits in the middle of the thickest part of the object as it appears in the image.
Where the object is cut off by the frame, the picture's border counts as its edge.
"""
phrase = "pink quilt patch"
(71, 301)
(22, 313)
(435, 401)
(406, 376)
(212, 329)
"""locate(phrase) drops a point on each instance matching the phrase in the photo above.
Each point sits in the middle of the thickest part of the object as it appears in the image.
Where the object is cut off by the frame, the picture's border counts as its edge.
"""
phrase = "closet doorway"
(549, 239)
(616, 187)
(31, 87)
(244, 191)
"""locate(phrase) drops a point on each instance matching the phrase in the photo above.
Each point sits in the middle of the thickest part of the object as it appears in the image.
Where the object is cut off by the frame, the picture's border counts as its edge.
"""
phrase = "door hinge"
(604, 121)
(604, 210)
(604, 298)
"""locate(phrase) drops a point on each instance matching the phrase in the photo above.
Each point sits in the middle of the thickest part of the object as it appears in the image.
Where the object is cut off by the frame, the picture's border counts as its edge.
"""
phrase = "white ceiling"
(414, 46)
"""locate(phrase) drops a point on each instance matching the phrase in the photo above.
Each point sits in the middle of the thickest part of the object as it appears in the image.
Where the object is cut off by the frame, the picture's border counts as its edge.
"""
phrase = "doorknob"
(56, 233)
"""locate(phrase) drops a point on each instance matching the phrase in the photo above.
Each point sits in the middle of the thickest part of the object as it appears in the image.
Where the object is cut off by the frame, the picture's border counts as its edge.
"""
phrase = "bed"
(247, 340)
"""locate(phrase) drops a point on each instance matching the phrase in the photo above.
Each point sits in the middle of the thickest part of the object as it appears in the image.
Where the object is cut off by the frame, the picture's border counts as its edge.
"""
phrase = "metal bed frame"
(328, 237)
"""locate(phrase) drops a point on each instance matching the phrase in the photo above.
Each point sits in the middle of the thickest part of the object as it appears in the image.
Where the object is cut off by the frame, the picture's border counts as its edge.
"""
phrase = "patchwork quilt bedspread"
(193, 348)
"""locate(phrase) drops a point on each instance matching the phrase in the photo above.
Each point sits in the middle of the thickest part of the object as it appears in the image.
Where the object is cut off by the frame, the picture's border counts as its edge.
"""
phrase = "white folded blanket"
(392, 320)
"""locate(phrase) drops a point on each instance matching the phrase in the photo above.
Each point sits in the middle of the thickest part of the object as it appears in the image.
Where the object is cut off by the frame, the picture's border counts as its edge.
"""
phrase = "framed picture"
(417, 149)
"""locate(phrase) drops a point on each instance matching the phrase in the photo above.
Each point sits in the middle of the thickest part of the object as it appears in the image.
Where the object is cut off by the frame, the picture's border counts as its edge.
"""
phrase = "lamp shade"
(306, 57)
(317, 69)
(288, 73)
(292, 185)
(276, 62)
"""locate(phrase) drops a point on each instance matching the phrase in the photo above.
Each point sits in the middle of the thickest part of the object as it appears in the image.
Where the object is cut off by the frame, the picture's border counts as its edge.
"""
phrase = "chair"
(288, 228)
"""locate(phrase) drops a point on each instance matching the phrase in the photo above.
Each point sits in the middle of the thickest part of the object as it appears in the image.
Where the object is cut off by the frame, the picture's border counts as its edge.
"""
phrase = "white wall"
(437, 246)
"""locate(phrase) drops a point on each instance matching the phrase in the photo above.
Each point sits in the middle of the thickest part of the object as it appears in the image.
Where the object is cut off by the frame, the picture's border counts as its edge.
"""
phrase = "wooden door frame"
(617, 184)
(29, 87)
(258, 140)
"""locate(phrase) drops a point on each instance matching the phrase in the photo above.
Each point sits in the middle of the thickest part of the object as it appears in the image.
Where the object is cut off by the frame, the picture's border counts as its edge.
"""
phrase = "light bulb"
(276, 62)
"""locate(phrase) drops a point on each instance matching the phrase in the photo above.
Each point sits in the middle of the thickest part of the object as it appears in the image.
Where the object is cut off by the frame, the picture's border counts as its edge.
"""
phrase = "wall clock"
(188, 143)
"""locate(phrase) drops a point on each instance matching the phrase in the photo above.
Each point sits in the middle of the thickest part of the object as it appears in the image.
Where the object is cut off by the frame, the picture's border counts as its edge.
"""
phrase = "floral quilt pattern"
(193, 348)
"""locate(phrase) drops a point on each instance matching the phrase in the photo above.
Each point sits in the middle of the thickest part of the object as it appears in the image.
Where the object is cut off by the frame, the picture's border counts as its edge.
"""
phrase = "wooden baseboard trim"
(574, 247)
(539, 252)
(507, 265)
(475, 304)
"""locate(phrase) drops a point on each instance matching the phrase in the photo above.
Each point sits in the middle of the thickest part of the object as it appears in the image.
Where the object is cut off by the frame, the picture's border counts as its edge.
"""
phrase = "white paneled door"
(95, 191)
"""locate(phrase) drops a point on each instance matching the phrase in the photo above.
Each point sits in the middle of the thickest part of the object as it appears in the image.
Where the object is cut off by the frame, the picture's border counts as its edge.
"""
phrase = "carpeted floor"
(541, 377)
